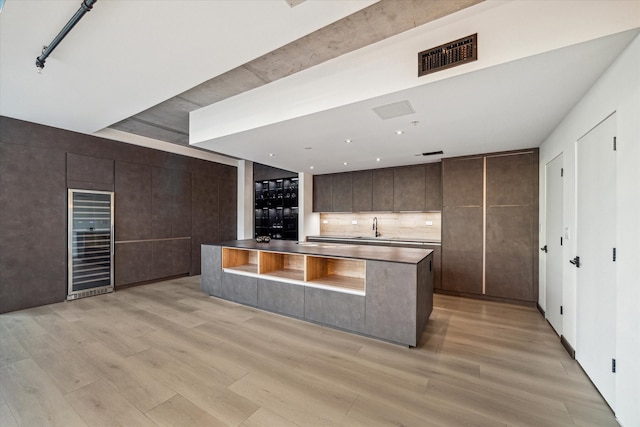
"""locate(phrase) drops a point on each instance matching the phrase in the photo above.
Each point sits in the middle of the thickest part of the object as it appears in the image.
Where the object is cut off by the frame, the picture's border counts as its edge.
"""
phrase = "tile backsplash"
(390, 225)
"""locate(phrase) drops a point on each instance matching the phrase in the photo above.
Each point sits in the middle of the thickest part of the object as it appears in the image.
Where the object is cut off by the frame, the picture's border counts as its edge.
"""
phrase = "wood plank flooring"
(166, 354)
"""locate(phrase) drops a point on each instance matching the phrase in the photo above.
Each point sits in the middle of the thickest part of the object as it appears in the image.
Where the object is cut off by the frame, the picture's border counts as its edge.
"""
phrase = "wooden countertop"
(336, 250)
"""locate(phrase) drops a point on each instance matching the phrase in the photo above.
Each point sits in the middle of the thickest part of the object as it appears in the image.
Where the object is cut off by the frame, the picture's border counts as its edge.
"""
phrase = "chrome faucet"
(375, 226)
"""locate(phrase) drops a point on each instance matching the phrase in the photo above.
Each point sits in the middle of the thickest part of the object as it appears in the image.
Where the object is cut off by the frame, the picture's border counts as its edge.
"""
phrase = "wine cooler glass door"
(90, 243)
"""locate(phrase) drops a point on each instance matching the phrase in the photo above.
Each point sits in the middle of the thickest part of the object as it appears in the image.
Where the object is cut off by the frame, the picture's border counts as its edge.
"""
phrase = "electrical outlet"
(429, 222)
(354, 222)
(325, 221)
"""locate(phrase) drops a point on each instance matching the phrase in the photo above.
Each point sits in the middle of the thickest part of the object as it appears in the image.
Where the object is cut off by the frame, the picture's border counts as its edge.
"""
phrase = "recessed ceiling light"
(347, 140)
(271, 154)
(310, 167)
(378, 159)
(345, 163)
(399, 132)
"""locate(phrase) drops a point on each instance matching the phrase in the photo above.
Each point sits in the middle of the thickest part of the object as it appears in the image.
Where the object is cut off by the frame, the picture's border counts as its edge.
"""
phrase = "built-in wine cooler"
(90, 243)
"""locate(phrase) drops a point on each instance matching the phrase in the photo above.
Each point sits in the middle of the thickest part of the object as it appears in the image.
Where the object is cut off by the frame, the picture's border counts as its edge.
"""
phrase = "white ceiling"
(125, 56)
(536, 59)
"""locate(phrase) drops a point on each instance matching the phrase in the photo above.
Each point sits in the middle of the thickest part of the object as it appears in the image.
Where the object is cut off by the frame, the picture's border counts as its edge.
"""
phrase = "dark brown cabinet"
(382, 197)
(489, 225)
(433, 186)
(462, 225)
(362, 191)
(323, 193)
(409, 188)
(511, 218)
(342, 194)
(416, 188)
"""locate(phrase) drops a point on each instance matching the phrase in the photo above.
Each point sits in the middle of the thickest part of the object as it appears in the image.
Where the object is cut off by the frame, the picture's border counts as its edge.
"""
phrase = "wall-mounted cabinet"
(276, 208)
(407, 188)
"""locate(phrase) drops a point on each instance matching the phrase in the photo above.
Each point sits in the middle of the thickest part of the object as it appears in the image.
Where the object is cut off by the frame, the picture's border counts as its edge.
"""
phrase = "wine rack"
(276, 208)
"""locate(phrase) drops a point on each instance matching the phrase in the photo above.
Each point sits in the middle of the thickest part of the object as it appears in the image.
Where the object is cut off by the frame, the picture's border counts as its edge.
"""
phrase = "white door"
(553, 243)
(595, 242)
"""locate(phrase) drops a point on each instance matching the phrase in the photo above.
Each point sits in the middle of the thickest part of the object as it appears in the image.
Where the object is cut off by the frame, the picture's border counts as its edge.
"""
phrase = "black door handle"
(544, 248)
(575, 261)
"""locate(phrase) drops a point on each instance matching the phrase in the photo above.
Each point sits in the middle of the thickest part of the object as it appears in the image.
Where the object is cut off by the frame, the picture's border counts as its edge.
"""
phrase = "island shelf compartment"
(240, 260)
(282, 265)
(341, 273)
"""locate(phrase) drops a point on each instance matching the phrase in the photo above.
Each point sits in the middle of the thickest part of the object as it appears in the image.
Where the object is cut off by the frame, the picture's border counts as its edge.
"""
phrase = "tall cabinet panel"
(489, 225)
(462, 225)
(511, 234)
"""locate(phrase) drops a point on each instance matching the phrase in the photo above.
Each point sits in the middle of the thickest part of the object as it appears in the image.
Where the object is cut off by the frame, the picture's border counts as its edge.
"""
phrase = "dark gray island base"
(381, 292)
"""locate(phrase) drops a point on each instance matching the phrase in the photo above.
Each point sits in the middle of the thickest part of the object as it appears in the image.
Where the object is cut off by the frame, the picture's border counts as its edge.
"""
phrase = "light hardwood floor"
(168, 355)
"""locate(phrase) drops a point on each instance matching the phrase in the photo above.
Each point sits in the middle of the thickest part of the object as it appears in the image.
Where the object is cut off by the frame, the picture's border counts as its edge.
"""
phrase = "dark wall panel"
(228, 187)
(132, 202)
(38, 162)
(133, 263)
(89, 173)
(33, 243)
(263, 172)
(205, 208)
(181, 199)
(161, 203)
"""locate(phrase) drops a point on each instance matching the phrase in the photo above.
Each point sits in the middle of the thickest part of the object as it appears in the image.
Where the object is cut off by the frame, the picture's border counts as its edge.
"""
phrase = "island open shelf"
(240, 260)
(282, 265)
(336, 272)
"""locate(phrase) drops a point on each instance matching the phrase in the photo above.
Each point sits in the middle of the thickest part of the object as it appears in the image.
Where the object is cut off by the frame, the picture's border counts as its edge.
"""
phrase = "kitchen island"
(381, 292)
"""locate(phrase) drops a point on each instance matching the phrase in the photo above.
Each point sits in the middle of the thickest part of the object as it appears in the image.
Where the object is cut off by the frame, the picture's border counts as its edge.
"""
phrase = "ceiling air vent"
(448, 55)
(430, 153)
